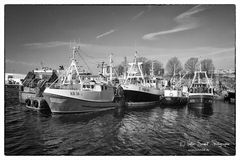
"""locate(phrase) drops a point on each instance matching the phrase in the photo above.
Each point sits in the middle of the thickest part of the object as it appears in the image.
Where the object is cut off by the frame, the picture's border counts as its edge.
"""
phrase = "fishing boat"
(33, 85)
(230, 97)
(136, 89)
(77, 92)
(13, 80)
(175, 94)
(201, 90)
(174, 97)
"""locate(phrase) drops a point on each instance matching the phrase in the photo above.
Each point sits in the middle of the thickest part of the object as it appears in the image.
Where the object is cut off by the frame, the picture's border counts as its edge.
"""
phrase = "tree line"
(173, 66)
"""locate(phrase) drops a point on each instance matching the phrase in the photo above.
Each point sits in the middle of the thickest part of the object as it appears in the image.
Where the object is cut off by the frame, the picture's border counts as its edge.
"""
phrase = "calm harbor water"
(154, 131)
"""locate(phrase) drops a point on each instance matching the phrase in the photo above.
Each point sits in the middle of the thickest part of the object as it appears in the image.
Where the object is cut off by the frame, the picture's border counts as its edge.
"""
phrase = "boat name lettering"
(145, 89)
(74, 93)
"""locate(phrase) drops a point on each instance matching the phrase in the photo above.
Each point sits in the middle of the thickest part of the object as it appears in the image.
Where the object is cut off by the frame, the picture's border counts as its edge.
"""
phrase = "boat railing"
(66, 86)
(200, 90)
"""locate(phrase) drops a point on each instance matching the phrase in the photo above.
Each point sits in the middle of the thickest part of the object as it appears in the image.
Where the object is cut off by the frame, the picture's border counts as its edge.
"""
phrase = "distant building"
(225, 73)
(14, 78)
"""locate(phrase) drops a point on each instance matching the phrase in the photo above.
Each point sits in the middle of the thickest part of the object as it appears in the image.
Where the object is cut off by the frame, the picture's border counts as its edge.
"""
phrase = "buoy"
(35, 103)
(28, 102)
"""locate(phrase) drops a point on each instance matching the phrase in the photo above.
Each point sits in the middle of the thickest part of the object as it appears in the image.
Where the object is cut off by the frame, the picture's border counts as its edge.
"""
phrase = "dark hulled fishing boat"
(230, 97)
(201, 90)
(135, 87)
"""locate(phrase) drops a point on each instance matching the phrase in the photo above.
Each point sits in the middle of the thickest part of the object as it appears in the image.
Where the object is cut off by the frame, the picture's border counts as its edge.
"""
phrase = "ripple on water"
(155, 131)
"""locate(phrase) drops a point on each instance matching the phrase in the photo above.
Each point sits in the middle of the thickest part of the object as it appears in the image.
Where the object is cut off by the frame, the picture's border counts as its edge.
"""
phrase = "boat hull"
(201, 112)
(230, 97)
(143, 105)
(135, 93)
(174, 101)
(200, 100)
(37, 103)
(25, 95)
(12, 85)
(138, 96)
(62, 104)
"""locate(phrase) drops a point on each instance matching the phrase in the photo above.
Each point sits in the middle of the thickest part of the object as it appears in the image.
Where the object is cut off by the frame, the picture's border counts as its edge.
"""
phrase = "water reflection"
(26, 130)
(77, 118)
(201, 112)
(156, 131)
(169, 117)
(154, 117)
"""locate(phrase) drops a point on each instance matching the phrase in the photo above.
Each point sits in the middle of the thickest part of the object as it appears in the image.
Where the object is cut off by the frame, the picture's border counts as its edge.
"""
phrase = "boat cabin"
(135, 80)
(201, 88)
(93, 86)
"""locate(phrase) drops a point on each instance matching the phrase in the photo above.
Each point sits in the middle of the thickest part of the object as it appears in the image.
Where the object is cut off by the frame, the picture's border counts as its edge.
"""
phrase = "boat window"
(105, 87)
(92, 86)
(88, 86)
(101, 87)
(84, 86)
(191, 90)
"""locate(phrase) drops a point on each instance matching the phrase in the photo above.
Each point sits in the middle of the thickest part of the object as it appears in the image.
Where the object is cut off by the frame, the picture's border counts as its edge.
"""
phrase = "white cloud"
(106, 33)
(185, 21)
(51, 44)
(137, 16)
(46, 44)
(220, 51)
(152, 36)
(19, 62)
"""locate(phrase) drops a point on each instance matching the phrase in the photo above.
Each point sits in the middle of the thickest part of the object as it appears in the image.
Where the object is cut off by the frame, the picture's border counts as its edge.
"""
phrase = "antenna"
(102, 66)
(152, 71)
(111, 65)
(135, 57)
(125, 67)
(200, 67)
(200, 64)
(41, 64)
(78, 51)
(174, 69)
(135, 45)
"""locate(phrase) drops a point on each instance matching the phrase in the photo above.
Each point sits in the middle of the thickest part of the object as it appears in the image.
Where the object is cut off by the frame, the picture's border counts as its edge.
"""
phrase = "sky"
(46, 33)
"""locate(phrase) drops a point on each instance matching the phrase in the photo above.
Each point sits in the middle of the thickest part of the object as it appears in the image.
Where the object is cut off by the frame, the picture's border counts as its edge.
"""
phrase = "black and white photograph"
(119, 80)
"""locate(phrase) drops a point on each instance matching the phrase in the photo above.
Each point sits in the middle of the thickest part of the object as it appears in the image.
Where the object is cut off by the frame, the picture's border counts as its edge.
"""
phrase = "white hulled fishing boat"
(175, 94)
(135, 87)
(77, 92)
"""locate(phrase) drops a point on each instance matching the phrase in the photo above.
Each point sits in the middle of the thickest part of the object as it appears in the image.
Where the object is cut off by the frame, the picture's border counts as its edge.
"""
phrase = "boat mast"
(111, 66)
(174, 70)
(73, 65)
(125, 68)
(152, 71)
(173, 77)
(74, 61)
(139, 64)
(131, 72)
(200, 71)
